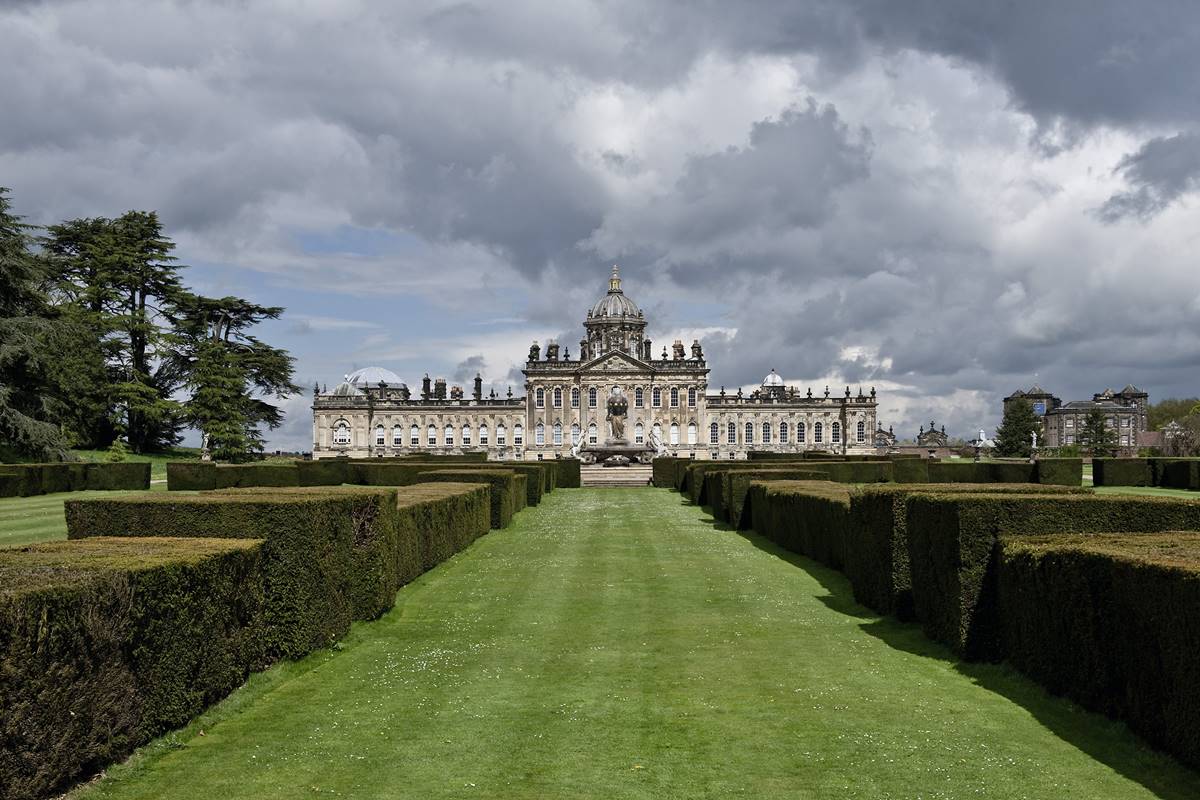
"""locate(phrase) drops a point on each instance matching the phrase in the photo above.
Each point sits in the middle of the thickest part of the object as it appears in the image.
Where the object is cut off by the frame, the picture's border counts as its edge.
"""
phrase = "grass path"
(614, 644)
(26, 520)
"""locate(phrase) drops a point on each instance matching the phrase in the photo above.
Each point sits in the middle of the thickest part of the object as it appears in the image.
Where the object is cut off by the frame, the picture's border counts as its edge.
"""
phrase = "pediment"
(615, 362)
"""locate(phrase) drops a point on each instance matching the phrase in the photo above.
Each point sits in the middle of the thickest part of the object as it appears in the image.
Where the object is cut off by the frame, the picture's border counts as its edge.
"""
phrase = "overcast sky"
(944, 200)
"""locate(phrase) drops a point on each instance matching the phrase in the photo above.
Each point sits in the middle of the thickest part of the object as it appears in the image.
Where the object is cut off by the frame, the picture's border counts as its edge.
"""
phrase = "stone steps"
(633, 475)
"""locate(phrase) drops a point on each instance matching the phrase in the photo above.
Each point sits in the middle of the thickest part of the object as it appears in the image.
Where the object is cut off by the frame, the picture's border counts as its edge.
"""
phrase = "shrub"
(663, 471)
(877, 559)
(538, 474)
(437, 520)
(1060, 471)
(317, 542)
(323, 472)
(503, 483)
(1122, 472)
(951, 544)
(107, 643)
(568, 473)
(1113, 622)
(910, 470)
(119, 475)
(806, 517)
(735, 484)
(1176, 473)
(191, 476)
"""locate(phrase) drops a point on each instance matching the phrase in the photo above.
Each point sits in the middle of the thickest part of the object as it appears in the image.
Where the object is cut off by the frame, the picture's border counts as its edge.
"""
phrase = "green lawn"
(614, 644)
(25, 520)
(158, 461)
(1153, 491)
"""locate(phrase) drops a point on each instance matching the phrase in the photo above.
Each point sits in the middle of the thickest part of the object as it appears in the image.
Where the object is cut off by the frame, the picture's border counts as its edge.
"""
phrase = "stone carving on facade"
(618, 409)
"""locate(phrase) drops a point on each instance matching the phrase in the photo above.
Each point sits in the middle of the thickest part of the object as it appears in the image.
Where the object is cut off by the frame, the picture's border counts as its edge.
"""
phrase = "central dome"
(373, 376)
(615, 303)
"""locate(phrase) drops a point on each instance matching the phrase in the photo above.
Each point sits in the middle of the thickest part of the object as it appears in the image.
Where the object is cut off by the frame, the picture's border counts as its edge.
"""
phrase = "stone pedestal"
(601, 453)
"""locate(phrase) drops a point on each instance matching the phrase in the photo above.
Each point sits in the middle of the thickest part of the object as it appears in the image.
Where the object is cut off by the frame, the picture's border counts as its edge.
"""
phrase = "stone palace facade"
(374, 414)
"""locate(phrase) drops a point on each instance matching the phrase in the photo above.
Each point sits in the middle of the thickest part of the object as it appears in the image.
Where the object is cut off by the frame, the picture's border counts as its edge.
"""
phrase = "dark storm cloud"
(1164, 169)
(859, 199)
(468, 368)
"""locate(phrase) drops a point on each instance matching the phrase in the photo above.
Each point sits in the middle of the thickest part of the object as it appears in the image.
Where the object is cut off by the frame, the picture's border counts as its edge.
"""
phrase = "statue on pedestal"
(618, 408)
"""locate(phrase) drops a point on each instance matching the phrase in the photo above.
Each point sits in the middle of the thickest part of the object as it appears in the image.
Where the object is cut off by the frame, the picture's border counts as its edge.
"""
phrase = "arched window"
(692, 397)
(518, 435)
(483, 433)
(835, 434)
(656, 397)
(592, 397)
(674, 433)
(638, 397)
(714, 433)
(397, 435)
(557, 397)
(749, 433)
(692, 433)
(656, 432)
(639, 434)
(466, 435)
(674, 397)
(501, 434)
(783, 433)
(862, 431)
(414, 436)
(766, 436)
(574, 434)
(800, 432)
(539, 398)
(818, 432)
(341, 432)
(574, 397)
(431, 435)
(731, 433)
(539, 434)
(380, 436)
(557, 433)
(592, 433)
(448, 439)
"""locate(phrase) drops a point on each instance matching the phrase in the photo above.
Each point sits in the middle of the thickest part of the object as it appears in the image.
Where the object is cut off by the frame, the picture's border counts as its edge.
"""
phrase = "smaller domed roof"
(373, 376)
(772, 379)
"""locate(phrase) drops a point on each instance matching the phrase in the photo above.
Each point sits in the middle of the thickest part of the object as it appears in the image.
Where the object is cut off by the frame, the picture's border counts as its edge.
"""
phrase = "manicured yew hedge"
(568, 473)
(663, 471)
(1060, 471)
(317, 543)
(106, 643)
(952, 543)
(437, 520)
(877, 560)
(1177, 473)
(25, 480)
(537, 472)
(323, 472)
(734, 486)
(503, 483)
(910, 470)
(982, 472)
(1122, 472)
(1113, 622)
(806, 517)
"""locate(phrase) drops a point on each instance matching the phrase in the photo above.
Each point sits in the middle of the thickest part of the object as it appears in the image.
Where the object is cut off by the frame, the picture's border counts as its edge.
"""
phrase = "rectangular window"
(783, 433)
(1125, 422)
(674, 397)
(483, 435)
(731, 434)
(637, 397)
(656, 398)
(558, 434)
(1124, 440)
(380, 440)
(539, 398)
(415, 438)
(575, 398)
(692, 398)
(800, 432)
(1070, 438)
(466, 436)
(1070, 422)
(501, 436)
(766, 433)
(539, 435)
(749, 433)
(592, 397)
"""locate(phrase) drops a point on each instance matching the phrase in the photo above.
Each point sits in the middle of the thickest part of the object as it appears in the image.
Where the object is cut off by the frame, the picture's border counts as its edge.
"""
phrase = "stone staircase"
(596, 475)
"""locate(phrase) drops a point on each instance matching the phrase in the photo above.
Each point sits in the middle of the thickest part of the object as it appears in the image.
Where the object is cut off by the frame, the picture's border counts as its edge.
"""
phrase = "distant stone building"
(373, 413)
(1126, 412)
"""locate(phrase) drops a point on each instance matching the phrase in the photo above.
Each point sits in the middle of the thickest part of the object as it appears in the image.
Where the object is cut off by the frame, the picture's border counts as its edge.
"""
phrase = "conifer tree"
(27, 427)
(1014, 437)
(231, 373)
(1099, 439)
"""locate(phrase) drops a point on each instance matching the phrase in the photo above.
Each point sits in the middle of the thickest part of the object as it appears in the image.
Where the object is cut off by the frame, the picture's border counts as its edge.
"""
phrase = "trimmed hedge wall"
(1113, 622)
(952, 544)
(568, 473)
(910, 470)
(107, 643)
(663, 472)
(503, 483)
(877, 560)
(437, 520)
(806, 517)
(1122, 472)
(317, 542)
(734, 486)
(25, 480)
(1060, 471)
